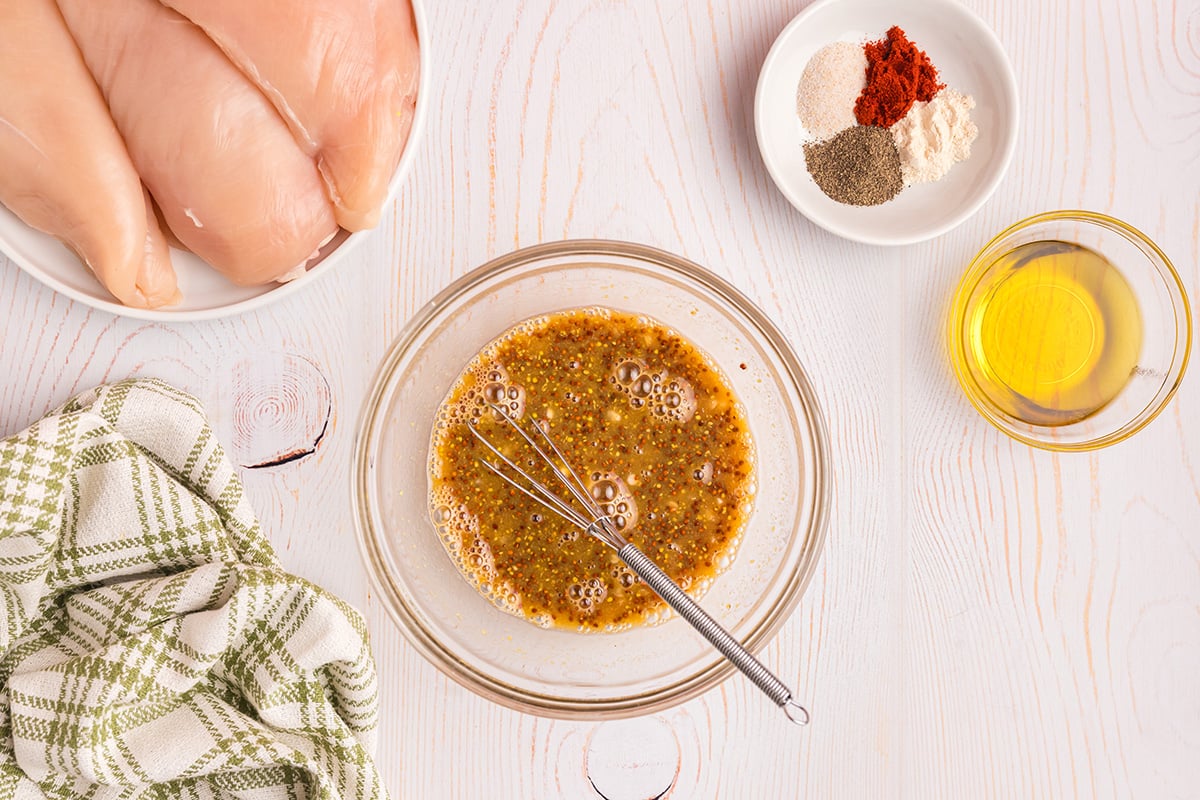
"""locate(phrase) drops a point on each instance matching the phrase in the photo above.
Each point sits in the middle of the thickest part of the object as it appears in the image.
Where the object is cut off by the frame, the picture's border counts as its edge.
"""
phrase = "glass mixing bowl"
(558, 672)
(1165, 318)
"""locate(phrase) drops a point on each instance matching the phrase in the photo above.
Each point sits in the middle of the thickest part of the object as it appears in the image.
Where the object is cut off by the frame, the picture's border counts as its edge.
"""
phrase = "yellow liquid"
(656, 435)
(1055, 335)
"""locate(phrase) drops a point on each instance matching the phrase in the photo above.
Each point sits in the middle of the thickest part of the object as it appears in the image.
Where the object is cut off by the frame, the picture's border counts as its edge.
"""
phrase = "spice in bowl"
(902, 127)
(898, 74)
(860, 166)
(832, 82)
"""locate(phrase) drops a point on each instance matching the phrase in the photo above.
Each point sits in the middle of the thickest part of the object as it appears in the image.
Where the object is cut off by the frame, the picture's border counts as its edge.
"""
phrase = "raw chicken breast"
(229, 179)
(343, 73)
(65, 169)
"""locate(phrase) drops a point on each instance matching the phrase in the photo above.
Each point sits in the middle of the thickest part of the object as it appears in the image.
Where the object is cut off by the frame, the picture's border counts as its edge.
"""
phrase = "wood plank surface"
(987, 620)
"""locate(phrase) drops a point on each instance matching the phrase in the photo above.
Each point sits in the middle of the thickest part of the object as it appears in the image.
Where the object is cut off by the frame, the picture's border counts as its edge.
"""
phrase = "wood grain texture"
(987, 620)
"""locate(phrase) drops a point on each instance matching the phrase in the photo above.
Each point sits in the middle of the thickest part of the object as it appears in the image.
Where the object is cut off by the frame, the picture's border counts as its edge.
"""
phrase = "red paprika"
(898, 74)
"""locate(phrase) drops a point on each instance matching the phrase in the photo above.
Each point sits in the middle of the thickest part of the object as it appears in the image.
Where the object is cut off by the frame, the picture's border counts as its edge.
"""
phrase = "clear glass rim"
(547, 705)
(1162, 266)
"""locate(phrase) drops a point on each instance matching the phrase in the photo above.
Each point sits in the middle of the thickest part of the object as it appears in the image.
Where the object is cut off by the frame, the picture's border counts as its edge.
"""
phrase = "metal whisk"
(596, 523)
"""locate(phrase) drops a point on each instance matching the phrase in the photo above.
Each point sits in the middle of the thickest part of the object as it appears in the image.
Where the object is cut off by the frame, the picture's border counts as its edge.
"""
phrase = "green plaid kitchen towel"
(150, 644)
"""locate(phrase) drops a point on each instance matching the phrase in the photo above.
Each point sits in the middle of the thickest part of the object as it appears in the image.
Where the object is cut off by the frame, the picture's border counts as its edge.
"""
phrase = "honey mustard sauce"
(652, 428)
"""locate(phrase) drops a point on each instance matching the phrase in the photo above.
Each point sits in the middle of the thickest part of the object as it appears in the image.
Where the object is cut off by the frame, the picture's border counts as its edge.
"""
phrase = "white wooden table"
(988, 620)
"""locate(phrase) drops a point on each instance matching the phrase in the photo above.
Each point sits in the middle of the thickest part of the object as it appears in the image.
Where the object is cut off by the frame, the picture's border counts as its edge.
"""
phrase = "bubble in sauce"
(627, 371)
(614, 498)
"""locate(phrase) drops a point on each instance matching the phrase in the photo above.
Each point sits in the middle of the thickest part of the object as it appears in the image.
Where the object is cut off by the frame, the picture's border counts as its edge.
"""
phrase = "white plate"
(206, 293)
(969, 58)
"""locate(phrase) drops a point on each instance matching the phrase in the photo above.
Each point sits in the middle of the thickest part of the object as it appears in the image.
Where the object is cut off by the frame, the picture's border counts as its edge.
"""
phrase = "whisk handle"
(711, 630)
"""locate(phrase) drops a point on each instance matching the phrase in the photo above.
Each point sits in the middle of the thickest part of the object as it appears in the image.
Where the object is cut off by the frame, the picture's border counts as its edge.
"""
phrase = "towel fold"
(150, 644)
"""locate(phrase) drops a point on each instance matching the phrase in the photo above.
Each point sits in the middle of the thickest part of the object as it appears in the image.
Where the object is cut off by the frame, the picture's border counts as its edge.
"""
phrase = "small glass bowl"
(557, 672)
(1166, 328)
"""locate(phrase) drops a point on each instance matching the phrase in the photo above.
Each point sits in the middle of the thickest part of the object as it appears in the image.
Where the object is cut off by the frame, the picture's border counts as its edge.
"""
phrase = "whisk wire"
(536, 490)
(601, 526)
(579, 490)
(581, 494)
(554, 505)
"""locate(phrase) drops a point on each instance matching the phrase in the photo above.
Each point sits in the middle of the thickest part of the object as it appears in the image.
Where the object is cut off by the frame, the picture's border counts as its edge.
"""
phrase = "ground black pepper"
(860, 166)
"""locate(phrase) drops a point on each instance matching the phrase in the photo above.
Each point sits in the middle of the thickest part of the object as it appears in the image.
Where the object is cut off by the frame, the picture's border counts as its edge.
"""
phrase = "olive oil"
(1054, 335)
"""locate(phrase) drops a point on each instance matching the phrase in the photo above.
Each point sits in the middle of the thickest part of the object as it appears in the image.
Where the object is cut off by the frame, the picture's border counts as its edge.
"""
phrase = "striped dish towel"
(150, 644)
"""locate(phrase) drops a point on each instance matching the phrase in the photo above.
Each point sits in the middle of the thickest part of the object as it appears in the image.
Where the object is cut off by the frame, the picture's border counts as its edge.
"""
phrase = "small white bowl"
(206, 293)
(969, 59)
